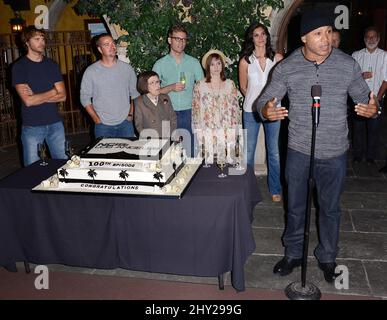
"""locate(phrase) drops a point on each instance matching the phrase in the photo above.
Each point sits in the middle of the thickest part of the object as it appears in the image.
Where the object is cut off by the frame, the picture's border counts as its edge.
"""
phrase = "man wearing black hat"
(338, 74)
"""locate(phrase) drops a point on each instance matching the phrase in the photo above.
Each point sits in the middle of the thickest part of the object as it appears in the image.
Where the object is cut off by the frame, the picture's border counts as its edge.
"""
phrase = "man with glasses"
(107, 88)
(178, 73)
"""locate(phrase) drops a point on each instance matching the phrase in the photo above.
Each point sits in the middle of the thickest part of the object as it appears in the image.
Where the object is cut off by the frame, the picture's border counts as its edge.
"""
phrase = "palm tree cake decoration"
(63, 172)
(158, 175)
(92, 174)
(123, 175)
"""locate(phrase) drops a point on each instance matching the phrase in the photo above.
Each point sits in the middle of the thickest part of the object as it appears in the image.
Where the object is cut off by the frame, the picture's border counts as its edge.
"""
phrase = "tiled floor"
(363, 234)
(363, 239)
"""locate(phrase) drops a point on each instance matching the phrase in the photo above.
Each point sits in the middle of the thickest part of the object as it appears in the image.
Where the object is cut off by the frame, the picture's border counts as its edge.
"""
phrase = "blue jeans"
(123, 130)
(183, 121)
(329, 175)
(252, 123)
(54, 136)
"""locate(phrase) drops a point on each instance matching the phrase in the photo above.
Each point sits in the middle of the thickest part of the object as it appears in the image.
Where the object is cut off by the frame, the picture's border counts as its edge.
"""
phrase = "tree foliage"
(218, 24)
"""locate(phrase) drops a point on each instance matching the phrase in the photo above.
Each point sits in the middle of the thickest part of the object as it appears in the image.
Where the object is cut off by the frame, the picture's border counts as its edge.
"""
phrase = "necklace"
(259, 56)
(261, 60)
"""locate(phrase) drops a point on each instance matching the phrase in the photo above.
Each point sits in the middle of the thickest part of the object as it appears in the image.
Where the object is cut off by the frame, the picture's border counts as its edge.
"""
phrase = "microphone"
(316, 95)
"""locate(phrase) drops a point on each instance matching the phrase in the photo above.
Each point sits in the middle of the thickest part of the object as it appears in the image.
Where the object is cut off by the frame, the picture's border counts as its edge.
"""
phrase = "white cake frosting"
(115, 163)
(122, 168)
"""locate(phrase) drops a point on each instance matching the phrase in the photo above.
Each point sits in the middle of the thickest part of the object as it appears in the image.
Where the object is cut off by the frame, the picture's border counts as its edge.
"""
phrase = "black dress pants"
(365, 137)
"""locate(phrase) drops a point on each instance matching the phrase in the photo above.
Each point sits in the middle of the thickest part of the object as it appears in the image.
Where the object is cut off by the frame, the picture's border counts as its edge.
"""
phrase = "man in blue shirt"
(178, 73)
(39, 83)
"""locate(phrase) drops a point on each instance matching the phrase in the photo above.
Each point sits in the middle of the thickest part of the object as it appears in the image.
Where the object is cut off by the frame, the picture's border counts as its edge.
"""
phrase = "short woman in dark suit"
(153, 107)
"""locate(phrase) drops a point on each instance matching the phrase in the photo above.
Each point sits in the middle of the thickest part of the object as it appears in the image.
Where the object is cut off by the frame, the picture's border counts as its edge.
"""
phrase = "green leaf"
(219, 24)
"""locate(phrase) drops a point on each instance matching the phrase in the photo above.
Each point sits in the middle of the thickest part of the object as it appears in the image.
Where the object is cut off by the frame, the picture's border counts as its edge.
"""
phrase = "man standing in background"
(39, 83)
(336, 38)
(107, 88)
(373, 63)
(178, 73)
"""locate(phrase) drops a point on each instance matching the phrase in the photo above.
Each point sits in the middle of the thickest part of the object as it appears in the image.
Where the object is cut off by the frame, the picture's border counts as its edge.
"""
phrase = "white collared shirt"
(376, 62)
(154, 101)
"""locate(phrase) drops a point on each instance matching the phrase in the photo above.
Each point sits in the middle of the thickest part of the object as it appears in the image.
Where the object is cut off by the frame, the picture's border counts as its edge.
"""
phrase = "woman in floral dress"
(216, 115)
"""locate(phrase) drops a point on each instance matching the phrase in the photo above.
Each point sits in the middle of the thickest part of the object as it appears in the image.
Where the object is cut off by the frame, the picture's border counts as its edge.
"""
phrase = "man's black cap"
(314, 19)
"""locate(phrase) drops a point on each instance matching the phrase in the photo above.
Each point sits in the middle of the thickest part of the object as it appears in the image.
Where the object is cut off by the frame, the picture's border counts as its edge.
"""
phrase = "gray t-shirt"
(339, 75)
(109, 90)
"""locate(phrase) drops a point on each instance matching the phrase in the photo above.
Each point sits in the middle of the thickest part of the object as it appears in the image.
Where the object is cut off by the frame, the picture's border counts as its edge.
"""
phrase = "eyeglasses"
(180, 39)
(154, 83)
(108, 44)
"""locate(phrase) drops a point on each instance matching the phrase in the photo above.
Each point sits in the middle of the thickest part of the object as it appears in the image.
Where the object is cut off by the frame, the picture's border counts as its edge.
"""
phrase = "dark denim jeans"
(184, 129)
(329, 175)
(123, 130)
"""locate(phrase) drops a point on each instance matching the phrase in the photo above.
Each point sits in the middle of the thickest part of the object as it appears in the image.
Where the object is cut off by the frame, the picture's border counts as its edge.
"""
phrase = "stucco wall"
(63, 19)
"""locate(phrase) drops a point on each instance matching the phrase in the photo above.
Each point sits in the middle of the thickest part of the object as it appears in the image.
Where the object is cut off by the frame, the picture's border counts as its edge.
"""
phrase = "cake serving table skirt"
(206, 233)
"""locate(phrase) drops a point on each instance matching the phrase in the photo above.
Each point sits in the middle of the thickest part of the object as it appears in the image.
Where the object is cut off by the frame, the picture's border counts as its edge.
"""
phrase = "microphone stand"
(306, 290)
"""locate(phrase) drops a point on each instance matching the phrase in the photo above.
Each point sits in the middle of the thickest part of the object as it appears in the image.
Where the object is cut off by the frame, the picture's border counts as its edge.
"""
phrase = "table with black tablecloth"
(205, 233)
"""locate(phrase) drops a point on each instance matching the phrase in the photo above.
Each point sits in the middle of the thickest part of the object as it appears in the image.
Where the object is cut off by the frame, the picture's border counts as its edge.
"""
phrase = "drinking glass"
(238, 155)
(69, 150)
(42, 153)
(205, 156)
(370, 71)
(183, 79)
(221, 163)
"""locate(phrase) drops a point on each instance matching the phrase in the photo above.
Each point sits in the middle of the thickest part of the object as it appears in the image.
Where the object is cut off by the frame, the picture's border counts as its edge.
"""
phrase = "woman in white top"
(257, 59)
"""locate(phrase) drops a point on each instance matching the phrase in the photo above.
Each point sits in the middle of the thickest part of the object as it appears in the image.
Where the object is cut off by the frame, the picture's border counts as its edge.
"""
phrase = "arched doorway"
(54, 12)
(286, 22)
(279, 24)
